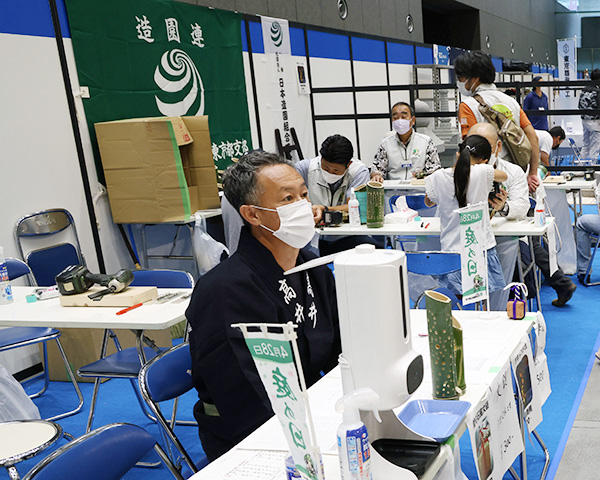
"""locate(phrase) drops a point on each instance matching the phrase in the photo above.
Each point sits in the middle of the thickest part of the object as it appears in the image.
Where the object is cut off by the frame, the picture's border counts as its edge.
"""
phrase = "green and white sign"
(473, 259)
(147, 58)
(273, 354)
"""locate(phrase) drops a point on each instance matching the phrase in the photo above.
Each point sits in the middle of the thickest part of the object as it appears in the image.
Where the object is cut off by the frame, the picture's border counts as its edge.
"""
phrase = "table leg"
(12, 472)
(88, 427)
(536, 277)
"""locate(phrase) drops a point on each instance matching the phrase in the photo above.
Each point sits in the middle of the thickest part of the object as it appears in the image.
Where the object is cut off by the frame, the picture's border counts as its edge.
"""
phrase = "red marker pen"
(125, 310)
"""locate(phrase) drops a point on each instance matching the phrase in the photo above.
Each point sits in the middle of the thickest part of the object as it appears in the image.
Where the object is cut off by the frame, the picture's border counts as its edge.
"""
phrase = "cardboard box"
(158, 169)
(83, 345)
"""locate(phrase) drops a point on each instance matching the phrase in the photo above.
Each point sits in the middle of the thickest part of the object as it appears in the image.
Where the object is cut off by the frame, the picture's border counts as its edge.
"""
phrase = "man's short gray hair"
(240, 181)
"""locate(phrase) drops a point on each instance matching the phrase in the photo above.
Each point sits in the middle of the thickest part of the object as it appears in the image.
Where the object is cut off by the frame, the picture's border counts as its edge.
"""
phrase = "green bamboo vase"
(375, 205)
(442, 347)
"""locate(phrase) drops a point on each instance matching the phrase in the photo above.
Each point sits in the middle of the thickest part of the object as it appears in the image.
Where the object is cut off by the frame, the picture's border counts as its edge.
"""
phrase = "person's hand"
(318, 212)
(499, 200)
(533, 181)
(376, 177)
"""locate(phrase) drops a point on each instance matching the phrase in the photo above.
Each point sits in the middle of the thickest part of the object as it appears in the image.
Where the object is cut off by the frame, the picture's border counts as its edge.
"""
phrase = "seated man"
(403, 153)
(329, 178)
(250, 287)
(587, 225)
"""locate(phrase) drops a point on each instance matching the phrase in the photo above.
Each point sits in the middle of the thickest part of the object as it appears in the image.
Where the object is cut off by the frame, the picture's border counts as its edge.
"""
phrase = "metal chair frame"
(589, 268)
(35, 335)
(38, 470)
(145, 388)
(141, 352)
(44, 224)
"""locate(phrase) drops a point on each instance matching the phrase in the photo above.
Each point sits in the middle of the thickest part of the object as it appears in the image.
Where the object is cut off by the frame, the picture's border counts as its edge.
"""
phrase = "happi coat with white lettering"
(249, 287)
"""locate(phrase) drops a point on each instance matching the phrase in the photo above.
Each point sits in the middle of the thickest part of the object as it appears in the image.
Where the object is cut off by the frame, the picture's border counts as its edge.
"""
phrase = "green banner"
(270, 350)
(467, 218)
(149, 58)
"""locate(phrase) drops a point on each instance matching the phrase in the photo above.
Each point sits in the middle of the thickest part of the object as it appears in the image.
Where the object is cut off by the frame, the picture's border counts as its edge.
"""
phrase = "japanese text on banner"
(274, 360)
(472, 253)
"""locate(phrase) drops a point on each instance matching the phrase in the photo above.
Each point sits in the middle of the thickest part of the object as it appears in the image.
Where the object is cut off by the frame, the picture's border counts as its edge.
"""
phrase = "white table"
(430, 226)
(575, 187)
(50, 313)
(404, 185)
(262, 454)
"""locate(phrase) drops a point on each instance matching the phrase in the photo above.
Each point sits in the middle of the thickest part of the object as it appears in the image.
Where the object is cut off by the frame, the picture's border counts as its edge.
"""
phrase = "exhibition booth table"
(430, 226)
(50, 313)
(489, 347)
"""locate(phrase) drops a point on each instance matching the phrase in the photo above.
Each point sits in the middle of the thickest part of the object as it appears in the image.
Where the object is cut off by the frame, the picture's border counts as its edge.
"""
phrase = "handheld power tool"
(78, 279)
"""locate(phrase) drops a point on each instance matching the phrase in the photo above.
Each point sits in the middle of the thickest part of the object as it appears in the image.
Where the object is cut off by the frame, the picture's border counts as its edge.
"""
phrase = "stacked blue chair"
(167, 377)
(15, 337)
(126, 363)
(107, 453)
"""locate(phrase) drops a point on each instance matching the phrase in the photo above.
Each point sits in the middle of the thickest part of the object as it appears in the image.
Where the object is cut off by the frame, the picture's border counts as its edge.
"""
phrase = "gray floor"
(580, 459)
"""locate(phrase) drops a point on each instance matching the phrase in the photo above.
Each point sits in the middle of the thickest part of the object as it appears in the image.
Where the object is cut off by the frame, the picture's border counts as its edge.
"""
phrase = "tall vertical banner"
(147, 58)
(281, 75)
(273, 355)
(567, 62)
(473, 260)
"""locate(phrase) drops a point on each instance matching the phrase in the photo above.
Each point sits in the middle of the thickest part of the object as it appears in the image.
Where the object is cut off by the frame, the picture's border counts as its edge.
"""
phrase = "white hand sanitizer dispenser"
(352, 436)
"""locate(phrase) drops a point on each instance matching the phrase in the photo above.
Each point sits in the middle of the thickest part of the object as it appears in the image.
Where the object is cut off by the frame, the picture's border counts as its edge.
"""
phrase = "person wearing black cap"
(537, 100)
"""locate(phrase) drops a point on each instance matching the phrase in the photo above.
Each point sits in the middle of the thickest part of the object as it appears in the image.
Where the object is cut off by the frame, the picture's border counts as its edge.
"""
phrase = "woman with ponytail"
(468, 182)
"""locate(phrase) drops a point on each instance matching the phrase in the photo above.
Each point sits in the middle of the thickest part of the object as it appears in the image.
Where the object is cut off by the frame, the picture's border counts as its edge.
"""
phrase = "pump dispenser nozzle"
(349, 405)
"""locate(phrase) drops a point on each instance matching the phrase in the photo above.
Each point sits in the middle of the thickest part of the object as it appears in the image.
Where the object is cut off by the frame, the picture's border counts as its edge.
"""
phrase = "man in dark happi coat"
(249, 287)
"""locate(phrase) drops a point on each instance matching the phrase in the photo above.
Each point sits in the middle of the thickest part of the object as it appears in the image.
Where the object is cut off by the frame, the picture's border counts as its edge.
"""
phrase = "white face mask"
(296, 223)
(401, 126)
(463, 89)
(331, 177)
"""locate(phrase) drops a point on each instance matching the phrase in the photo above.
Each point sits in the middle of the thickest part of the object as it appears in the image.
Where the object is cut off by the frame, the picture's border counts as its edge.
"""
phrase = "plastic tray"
(437, 419)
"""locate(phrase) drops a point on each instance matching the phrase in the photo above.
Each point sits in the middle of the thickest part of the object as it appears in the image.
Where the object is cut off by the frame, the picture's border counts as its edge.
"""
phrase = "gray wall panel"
(354, 22)
(387, 14)
(310, 12)
(371, 10)
(253, 7)
(283, 9)
(524, 22)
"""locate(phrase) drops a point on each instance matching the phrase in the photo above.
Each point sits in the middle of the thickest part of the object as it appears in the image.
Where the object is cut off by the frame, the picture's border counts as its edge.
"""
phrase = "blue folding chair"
(166, 377)
(126, 363)
(107, 453)
(162, 279)
(15, 337)
(49, 230)
(434, 263)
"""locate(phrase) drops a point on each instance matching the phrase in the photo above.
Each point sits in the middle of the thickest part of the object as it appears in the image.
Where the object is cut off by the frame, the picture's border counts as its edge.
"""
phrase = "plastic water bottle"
(353, 209)
(6, 296)
(539, 216)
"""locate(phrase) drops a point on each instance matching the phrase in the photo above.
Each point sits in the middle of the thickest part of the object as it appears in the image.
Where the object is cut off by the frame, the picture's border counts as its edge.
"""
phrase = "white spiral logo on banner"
(178, 77)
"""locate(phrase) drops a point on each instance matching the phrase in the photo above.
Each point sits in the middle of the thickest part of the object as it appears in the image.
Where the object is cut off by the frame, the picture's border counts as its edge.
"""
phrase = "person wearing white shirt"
(468, 182)
(404, 153)
(549, 140)
(329, 178)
